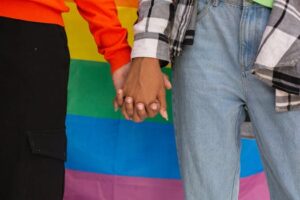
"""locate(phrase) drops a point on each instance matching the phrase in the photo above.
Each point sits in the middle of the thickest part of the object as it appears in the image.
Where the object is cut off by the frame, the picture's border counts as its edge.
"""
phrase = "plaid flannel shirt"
(165, 26)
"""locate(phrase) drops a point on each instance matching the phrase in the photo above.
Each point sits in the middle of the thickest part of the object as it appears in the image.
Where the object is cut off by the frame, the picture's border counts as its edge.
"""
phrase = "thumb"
(119, 76)
(163, 104)
(167, 82)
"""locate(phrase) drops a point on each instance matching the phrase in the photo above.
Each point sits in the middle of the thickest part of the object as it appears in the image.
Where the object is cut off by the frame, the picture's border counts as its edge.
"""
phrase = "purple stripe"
(254, 187)
(91, 186)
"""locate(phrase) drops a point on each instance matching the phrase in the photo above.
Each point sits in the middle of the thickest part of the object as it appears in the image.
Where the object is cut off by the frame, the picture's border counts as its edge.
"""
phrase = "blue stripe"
(121, 147)
(250, 158)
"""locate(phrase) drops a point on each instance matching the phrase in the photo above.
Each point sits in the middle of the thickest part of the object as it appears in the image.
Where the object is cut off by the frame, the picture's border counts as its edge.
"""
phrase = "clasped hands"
(142, 94)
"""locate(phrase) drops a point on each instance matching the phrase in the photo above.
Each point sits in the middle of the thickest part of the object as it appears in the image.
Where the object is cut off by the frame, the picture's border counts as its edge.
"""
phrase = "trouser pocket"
(45, 166)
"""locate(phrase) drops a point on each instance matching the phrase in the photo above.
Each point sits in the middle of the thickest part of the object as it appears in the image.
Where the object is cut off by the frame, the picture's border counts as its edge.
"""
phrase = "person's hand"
(119, 78)
(144, 90)
(120, 75)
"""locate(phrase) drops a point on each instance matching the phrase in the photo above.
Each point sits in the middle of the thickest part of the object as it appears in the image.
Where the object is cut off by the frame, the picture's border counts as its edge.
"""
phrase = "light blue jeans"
(212, 87)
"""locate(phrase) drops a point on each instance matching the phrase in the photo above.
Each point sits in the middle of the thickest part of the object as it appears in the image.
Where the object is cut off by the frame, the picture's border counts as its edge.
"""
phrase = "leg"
(278, 137)
(208, 105)
(34, 63)
(278, 134)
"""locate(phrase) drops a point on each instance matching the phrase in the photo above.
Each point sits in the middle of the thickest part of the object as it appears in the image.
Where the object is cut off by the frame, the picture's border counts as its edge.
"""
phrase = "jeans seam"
(174, 115)
(257, 136)
(265, 162)
(238, 147)
(241, 40)
(234, 180)
(237, 132)
(176, 132)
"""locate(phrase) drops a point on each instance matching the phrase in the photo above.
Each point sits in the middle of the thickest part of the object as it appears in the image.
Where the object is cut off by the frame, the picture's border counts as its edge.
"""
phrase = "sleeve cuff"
(121, 58)
(151, 48)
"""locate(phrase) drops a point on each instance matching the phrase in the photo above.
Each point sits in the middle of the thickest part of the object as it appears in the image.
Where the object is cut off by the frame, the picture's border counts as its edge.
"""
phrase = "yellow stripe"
(81, 42)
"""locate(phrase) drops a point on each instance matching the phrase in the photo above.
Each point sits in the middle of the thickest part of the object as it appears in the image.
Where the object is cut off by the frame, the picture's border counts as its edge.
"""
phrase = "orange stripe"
(123, 3)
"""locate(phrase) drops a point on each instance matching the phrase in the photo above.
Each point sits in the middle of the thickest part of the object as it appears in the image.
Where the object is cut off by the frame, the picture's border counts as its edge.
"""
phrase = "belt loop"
(215, 3)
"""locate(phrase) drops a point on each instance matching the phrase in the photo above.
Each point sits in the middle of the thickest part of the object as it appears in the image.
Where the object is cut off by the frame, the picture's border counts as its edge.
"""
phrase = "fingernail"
(116, 107)
(140, 106)
(128, 100)
(164, 114)
(120, 91)
(154, 106)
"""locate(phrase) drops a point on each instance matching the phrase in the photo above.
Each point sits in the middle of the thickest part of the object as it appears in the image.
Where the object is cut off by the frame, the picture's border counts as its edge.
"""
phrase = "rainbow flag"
(110, 158)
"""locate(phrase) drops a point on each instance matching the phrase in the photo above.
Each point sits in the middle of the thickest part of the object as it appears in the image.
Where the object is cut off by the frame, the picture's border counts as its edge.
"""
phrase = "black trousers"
(34, 67)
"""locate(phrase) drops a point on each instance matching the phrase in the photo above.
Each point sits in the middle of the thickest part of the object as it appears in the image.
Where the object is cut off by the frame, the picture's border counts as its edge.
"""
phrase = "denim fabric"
(212, 87)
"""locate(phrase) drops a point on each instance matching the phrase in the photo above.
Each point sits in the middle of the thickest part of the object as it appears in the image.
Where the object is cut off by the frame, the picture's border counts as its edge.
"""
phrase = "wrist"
(142, 62)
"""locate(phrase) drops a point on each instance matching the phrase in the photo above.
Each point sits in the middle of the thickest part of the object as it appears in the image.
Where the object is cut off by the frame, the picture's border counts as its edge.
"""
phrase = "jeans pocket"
(203, 7)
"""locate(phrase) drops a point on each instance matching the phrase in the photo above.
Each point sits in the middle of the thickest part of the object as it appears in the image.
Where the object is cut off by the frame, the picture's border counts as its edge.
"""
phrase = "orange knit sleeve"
(110, 37)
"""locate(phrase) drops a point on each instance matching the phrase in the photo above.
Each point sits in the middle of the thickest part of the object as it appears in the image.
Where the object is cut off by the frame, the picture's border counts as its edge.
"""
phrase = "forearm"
(110, 37)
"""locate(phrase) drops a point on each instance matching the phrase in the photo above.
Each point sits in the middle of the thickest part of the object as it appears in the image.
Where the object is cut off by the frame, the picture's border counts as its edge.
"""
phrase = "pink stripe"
(90, 186)
(254, 187)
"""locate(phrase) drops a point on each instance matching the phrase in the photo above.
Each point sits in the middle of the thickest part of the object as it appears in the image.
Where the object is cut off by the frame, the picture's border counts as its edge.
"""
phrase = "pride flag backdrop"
(110, 158)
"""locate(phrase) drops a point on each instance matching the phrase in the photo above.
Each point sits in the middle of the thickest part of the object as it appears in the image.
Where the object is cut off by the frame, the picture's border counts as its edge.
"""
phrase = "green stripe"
(91, 91)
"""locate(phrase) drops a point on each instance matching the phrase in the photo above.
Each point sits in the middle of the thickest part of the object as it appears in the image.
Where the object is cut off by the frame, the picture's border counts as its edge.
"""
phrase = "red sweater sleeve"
(110, 37)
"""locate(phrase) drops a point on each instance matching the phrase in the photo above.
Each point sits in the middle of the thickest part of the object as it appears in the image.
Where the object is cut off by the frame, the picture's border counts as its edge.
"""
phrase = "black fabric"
(34, 67)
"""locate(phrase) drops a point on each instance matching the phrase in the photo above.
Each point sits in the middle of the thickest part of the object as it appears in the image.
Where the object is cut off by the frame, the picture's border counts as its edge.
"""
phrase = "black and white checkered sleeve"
(152, 30)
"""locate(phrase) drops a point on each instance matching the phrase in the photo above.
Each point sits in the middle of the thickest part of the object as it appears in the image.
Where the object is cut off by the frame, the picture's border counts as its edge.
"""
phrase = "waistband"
(30, 11)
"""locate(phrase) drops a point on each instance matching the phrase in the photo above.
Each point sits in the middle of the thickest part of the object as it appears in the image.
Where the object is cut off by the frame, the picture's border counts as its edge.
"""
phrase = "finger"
(116, 106)
(120, 97)
(163, 104)
(129, 106)
(167, 82)
(141, 111)
(153, 108)
(125, 113)
(136, 118)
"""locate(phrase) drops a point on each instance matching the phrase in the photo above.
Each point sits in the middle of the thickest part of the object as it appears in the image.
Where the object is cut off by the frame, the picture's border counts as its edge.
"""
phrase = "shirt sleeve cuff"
(121, 58)
(151, 48)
